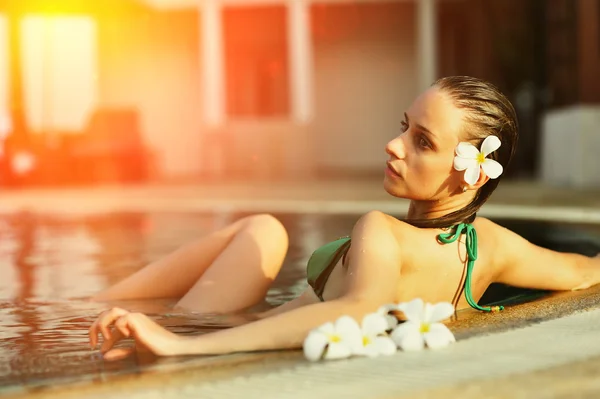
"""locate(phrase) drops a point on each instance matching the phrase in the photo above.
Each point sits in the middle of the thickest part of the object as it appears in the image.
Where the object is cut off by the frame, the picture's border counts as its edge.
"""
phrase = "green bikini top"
(471, 244)
(323, 261)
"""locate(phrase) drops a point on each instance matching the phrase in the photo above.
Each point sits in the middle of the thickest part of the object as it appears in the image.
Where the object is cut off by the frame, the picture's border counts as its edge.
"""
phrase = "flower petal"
(440, 312)
(492, 168)
(400, 332)
(314, 345)
(438, 336)
(412, 340)
(467, 150)
(337, 350)
(490, 144)
(381, 346)
(374, 324)
(392, 320)
(326, 328)
(472, 174)
(464, 163)
(349, 331)
(385, 309)
(413, 310)
(408, 336)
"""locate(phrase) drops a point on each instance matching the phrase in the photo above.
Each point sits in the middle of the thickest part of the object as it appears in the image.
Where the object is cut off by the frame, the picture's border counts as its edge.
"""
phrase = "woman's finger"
(122, 324)
(102, 322)
(110, 317)
(116, 336)
(118, 353)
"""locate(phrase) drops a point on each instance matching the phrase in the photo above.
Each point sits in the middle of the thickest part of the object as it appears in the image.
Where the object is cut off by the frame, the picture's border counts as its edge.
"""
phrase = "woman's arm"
(372, 280)
(282, 331)
(526, 265)
(308, 297)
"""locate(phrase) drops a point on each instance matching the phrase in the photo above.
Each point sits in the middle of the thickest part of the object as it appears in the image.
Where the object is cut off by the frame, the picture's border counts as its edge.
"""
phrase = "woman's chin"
(393, 188)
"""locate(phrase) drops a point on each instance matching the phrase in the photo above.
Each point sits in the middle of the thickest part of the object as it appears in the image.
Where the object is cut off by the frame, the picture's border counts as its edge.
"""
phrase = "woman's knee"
(267, 226)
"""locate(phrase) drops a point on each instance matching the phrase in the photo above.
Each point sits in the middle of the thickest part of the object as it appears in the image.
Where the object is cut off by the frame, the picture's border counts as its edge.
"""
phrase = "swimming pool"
(49, 265)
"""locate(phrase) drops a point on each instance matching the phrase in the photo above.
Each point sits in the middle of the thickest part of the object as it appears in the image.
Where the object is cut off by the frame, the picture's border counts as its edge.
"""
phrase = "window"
(59, 71)
(5, 124)
(256, 61)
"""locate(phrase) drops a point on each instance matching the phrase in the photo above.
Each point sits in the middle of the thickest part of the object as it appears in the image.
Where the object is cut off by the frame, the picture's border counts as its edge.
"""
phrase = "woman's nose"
(396, 148)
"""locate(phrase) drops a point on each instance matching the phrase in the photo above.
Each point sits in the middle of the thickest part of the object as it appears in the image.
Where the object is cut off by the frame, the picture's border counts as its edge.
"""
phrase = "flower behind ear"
(471, 160)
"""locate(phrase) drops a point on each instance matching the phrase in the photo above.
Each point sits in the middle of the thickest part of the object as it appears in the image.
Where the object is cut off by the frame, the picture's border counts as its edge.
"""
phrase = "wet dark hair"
(488, 112)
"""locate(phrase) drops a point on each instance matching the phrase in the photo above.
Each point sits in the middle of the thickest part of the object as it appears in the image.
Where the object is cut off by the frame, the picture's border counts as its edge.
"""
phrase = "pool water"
(50, 265)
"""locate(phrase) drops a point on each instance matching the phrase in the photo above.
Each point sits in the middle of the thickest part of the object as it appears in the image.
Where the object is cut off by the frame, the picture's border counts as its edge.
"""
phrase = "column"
(212, 62)
(426, 43)
(300, 61)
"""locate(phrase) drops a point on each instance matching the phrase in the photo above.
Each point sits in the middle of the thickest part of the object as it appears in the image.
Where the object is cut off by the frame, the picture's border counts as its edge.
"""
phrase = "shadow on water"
(50, 265)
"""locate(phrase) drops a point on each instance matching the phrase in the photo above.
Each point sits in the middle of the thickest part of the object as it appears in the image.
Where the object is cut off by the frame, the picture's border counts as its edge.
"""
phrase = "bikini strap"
(469, 230)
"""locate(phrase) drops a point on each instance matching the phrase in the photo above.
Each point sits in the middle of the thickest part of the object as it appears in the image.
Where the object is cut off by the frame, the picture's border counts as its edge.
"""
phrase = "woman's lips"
(389, 170)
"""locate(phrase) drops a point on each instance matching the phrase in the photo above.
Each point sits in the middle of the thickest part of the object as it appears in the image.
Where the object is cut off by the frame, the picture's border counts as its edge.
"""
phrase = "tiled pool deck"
(545, 348)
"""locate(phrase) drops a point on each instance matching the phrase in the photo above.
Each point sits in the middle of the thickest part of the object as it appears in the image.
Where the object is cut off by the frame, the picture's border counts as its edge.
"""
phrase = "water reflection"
(49, 265)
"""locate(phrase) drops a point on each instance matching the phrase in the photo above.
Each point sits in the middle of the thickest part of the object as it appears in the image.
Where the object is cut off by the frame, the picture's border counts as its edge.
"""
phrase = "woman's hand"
(117, 324)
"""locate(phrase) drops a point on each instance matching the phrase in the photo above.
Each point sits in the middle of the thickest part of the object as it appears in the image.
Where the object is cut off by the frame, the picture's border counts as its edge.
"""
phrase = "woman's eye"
(404, 126)
(423, 142)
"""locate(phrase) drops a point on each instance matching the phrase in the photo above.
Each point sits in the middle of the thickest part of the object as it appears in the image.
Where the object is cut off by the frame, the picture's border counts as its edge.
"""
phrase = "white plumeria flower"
(375, 340)
(337, 340)
(471, 160)
(423, 326)
(386, 311)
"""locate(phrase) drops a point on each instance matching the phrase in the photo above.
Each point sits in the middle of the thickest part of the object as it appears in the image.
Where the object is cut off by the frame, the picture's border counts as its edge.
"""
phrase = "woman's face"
(420, 163)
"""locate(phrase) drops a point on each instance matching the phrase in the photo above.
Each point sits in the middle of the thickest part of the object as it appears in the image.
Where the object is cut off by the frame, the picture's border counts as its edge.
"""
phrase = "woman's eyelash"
(422, 140)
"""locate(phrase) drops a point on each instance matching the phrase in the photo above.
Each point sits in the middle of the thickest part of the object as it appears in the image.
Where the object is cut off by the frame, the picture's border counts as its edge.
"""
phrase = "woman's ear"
(483, 178)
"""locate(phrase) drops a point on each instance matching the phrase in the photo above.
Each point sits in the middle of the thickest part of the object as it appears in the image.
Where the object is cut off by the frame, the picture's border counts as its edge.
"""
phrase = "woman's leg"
(228, 270)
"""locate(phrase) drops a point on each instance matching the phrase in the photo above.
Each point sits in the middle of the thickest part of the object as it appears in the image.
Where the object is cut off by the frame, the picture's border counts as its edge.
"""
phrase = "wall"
(151, 62)
(365, 63)
(365, 60)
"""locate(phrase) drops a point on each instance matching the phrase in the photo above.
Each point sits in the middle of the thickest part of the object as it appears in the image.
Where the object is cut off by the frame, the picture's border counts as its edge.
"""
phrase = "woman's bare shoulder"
(497, 237)
(378, 217)
(391, 224)
(486, 227)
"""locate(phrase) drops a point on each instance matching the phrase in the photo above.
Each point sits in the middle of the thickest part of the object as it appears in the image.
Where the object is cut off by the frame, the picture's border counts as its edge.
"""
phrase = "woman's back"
(436, 272)
(429, 269)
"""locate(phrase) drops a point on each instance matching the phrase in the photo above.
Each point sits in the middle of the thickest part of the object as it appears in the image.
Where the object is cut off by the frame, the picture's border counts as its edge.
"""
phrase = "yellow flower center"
(424, 328)
(480, 158)
(335, 338)
(366, 341)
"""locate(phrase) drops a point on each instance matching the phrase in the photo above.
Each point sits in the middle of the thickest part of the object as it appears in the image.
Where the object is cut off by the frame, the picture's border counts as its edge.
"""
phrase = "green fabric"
(322, 259)
(471, 244)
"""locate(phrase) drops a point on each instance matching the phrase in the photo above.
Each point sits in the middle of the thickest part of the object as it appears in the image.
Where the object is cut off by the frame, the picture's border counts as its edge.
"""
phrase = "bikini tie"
(450, 237)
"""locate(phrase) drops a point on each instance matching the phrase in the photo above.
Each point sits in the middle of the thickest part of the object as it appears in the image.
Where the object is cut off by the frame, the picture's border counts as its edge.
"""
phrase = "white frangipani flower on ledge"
(381, 333)
(471, 160)
(337, 340)
(386, 311)
(375, 340)
(423, 326)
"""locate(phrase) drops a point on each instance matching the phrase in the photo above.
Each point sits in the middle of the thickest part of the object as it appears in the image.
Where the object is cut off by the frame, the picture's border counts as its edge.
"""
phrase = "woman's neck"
(419, 210)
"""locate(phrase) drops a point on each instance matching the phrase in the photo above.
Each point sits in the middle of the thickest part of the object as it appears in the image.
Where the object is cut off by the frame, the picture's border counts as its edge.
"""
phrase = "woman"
(439, 163)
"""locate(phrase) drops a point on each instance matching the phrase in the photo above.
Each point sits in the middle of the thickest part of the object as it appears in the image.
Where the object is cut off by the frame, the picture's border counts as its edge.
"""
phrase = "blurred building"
(286, 89)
